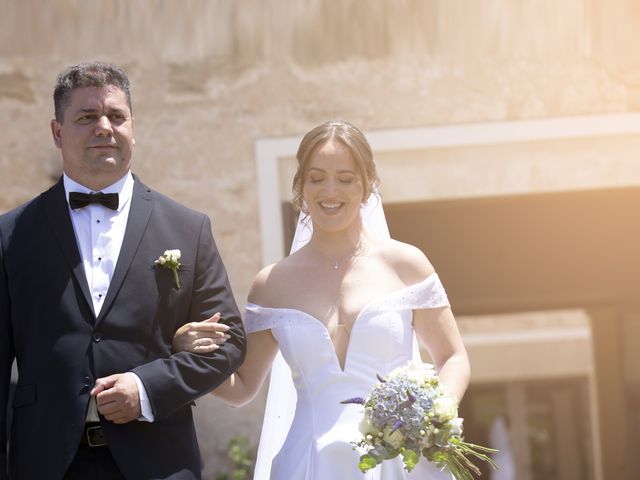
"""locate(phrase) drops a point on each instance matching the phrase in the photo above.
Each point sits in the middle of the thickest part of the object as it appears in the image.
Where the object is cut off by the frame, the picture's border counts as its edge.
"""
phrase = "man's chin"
(107, 163)
(108, 168)
(108, 158)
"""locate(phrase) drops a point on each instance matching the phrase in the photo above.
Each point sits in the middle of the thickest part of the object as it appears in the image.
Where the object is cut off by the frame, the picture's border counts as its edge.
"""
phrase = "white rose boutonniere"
(170, 259)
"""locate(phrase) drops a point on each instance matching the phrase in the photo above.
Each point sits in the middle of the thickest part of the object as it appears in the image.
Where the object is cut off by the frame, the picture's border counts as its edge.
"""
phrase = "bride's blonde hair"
(350, 137)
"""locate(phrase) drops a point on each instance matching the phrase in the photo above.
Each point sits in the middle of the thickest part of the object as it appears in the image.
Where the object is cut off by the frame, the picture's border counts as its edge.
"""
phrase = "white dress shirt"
(99, 233)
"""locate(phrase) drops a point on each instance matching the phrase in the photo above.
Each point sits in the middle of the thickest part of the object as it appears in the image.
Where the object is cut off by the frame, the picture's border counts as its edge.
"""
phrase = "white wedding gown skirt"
(318, 444)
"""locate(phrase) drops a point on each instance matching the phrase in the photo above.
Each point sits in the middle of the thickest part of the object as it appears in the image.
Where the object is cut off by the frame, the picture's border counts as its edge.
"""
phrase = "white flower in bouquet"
(445, 408)
(415, 371)
(366, 426)
(408, 413)
(395, 438)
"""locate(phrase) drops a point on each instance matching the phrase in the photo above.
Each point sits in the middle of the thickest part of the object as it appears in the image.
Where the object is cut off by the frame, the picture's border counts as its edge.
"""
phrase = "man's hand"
(117, 397)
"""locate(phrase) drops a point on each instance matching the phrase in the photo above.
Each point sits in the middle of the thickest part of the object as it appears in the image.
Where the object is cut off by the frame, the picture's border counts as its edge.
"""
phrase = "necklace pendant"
(335, 265)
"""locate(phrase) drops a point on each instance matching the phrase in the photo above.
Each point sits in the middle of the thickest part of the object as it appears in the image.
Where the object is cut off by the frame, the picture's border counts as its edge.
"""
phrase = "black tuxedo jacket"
(47, 323)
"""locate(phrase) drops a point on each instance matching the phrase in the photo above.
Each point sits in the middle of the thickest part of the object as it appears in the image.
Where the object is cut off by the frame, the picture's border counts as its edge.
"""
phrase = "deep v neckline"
(342, 367)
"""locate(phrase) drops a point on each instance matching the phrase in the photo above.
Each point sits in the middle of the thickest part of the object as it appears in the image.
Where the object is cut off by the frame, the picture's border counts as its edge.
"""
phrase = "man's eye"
(116, 118)
(85, 118)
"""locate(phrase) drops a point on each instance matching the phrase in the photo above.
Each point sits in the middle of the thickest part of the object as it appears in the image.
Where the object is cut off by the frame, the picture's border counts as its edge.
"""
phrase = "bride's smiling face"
(332, 188)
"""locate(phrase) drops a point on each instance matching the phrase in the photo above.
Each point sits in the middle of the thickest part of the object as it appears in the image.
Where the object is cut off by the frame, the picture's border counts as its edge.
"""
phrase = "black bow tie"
(79, 200)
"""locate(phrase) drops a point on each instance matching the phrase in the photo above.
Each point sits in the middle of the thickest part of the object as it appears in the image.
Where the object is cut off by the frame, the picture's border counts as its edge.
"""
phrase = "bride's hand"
(201, 337)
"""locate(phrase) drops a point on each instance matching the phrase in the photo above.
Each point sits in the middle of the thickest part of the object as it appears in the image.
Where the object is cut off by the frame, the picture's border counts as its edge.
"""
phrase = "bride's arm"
(243, 385)
(203, 337)
(437, 330)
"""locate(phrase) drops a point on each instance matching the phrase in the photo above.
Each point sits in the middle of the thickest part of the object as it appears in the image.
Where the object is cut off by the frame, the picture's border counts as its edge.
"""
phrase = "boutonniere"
(170, 259)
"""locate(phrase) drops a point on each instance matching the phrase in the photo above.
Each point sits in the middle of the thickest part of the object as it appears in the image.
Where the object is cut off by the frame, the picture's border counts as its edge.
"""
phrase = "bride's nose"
(331, 187)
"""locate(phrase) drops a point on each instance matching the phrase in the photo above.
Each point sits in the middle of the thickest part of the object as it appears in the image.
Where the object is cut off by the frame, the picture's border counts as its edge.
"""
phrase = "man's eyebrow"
(108, 110)
(121, 111)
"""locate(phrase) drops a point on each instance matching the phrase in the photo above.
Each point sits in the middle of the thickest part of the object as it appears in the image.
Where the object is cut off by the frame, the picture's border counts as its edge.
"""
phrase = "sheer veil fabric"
(282, 397)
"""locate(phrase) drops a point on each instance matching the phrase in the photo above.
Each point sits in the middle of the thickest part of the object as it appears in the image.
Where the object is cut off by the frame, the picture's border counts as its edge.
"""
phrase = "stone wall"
(211, 77)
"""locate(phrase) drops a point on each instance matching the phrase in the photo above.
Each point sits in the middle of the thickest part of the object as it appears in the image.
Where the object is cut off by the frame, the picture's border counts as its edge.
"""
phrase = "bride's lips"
(331, 208)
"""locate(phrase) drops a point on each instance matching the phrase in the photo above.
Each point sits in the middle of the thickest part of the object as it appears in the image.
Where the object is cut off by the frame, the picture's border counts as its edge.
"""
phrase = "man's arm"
(175, 381)
(6, 359)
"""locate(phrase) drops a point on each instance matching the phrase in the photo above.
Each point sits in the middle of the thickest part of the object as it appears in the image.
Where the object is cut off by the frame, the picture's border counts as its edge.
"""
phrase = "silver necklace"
(358, 252)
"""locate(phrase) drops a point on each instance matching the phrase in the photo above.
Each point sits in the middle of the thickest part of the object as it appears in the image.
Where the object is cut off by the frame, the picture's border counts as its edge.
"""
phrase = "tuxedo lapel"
(139, 213)
(57, 213)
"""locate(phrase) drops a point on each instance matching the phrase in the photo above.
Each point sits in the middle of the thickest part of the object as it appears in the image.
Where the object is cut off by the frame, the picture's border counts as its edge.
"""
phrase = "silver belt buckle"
(96, 437)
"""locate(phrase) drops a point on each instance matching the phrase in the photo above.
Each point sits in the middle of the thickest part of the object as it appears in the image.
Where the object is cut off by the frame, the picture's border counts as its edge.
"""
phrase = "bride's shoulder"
(262, 286)
(409, 262)
(271, 283)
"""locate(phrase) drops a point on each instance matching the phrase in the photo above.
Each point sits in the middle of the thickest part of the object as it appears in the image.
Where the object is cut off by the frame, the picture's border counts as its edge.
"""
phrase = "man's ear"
(55, 132)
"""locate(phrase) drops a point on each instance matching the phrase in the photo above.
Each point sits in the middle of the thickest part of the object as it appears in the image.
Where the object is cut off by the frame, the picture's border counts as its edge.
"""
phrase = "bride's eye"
(347, 180)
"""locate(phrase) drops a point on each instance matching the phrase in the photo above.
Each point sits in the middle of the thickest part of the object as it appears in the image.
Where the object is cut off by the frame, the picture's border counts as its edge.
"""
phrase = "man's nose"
(103, 127)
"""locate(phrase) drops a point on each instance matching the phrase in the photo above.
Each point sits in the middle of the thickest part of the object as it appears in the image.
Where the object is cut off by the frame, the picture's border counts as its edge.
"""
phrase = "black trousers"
(95, 463)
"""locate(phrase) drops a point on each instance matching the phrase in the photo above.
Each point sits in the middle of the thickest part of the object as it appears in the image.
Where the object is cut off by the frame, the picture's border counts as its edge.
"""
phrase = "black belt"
(93, 435)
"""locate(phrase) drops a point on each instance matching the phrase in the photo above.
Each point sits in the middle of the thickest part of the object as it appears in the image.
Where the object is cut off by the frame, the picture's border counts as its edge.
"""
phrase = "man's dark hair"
(93, 74)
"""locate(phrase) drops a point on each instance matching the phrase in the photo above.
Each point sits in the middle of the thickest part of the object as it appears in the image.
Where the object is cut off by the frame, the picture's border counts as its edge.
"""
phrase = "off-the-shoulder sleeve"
(429, 293)
(257, 318)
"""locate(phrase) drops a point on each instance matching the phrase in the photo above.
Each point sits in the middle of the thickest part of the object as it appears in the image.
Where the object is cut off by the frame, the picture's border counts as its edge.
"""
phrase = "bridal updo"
(350, 137)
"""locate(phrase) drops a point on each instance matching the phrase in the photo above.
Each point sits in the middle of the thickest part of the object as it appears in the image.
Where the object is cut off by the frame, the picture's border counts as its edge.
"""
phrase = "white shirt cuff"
(145, 406)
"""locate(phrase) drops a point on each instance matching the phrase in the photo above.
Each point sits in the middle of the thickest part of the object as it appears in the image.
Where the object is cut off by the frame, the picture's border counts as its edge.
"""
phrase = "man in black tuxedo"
(89, 315)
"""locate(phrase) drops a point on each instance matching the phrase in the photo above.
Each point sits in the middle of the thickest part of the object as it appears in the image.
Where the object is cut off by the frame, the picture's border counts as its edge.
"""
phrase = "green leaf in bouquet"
(367, 462)
(442, 437)
(464, 462)
(410, 459)
(458, 469)
(479, 452)
(435, 455)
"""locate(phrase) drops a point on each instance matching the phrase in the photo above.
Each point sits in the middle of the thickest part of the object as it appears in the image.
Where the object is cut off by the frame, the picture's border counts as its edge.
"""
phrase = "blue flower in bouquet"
(408, 413)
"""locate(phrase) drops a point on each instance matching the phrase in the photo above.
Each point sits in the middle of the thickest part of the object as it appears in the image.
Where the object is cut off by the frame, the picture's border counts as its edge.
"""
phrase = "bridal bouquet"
(409, 414)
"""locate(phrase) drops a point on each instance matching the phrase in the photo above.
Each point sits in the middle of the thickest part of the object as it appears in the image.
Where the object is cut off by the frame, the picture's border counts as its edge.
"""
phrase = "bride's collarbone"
(333, 309)
(332, 299)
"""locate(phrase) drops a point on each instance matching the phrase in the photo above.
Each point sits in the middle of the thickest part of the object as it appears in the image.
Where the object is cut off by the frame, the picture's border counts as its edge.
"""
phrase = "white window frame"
(268, 151)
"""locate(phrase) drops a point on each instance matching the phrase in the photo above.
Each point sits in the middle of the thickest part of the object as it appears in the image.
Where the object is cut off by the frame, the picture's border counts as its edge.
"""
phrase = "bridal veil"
(281, 399)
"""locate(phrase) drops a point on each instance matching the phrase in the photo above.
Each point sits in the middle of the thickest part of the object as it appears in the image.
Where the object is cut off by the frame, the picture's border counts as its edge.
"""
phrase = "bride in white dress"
(342, 308)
